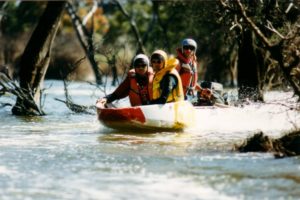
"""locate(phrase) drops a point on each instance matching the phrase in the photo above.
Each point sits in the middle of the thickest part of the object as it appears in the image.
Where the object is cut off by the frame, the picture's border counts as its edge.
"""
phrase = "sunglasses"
(189, 47)
(140, 66)
(156, 61)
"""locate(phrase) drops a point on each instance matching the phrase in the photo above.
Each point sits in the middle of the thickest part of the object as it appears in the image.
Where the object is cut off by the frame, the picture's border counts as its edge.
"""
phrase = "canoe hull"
(170, 117)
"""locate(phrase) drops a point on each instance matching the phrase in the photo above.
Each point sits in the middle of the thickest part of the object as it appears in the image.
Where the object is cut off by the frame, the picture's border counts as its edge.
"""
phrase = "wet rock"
(287, 145)
(257, 143)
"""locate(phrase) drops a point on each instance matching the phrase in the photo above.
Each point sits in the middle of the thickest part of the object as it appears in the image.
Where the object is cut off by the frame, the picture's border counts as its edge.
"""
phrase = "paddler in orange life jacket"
(167, 86)
(187, 69)
(137, 85)
(187, 66)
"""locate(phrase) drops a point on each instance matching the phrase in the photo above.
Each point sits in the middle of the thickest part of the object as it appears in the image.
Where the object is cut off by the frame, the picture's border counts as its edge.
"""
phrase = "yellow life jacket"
(177, 93)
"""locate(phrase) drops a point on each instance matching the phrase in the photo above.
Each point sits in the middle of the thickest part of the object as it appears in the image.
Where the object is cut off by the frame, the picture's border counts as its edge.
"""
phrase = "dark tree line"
(261, 39)
(250, 36)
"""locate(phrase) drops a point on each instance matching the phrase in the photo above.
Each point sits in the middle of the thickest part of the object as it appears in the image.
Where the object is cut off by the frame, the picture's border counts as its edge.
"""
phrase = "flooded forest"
(57, 58)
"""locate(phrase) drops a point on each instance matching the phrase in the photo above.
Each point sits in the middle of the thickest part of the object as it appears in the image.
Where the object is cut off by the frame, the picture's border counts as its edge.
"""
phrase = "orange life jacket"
(140, 94)
(188, 72)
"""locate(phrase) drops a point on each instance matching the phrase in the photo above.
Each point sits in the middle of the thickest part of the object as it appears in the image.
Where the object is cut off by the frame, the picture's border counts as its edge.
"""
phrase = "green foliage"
(20, 17)
(275, 20)
(210, 24)
(119, 26)
(175, 21)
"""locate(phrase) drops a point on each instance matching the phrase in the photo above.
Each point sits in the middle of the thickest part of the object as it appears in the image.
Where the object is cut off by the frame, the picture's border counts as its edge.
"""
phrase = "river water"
(65, 155)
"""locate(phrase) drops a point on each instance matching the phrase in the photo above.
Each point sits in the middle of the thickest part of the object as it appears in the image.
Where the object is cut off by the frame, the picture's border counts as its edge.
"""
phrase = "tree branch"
(134, 28)
(91, 13)
(254, 27)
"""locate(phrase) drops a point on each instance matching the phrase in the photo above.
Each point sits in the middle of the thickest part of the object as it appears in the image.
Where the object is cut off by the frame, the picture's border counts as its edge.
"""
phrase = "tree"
(36, 57)
(85, 37)
(259, 22)
(248, 68)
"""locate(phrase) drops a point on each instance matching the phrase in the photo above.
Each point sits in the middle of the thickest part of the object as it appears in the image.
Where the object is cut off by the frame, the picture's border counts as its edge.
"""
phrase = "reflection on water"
(72, 156)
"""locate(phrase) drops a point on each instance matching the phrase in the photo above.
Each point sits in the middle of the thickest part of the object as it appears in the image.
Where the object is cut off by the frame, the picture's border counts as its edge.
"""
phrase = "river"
(67, 156)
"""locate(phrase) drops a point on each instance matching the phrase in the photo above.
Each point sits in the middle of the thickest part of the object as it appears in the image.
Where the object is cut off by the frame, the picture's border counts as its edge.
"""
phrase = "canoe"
(158, 117)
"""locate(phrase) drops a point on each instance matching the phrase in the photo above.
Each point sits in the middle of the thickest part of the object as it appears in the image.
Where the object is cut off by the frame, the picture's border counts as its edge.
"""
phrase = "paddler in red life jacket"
(187, 66)
(137, 85)
(167, 86)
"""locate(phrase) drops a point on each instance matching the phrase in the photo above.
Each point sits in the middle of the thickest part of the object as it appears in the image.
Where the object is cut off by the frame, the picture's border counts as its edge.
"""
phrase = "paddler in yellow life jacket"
(167, 86)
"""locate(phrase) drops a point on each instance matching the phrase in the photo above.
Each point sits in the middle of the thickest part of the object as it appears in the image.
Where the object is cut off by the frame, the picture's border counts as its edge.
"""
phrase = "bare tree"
(284, 51)
(85, 37)
(278, 49)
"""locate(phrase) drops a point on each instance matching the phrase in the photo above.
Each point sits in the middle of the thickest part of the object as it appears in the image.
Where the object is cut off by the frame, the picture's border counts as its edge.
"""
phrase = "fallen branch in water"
(288, 106)
(2, 105)
(75, 107)
(286, 146)
(27, 100)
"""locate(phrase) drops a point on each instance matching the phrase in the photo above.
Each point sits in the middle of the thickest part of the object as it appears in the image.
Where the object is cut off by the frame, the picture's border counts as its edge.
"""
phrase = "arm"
(198, 87)
(122, 91)
(178, 67)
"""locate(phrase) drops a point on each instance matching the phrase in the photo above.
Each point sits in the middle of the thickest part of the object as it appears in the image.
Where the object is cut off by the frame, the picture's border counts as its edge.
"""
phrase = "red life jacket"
(187, 69)
(140, 94)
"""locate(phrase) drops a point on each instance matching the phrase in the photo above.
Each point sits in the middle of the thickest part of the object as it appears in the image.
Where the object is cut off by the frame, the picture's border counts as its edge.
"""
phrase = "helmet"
(160, 54)
(141, 59)
(189, 42)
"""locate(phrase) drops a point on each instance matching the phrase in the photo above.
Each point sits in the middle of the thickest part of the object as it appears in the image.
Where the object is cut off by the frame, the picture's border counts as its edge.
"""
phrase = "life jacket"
(187, 69)
(140, 94)
(177, 93)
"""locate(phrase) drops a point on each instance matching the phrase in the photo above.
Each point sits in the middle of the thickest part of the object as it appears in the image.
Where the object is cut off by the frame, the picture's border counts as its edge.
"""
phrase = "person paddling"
(137, 85)
(187, 68)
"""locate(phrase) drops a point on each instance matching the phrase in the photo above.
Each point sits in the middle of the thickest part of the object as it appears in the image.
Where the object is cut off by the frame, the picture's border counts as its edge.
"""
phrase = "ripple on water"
(71, 156)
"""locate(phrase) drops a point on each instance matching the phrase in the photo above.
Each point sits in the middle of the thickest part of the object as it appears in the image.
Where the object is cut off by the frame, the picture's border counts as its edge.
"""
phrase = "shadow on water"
(31, 118)
(135, 135)
(177, 142)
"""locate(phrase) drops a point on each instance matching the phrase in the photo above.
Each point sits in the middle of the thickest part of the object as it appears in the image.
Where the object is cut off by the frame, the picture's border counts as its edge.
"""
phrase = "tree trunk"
(248, 73)
(1, 43)
(35, 59)
(112, 64)
(85, 38)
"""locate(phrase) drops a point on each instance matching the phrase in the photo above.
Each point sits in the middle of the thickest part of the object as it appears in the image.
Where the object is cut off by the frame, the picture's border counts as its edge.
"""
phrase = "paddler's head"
(141, 64)
(158, 60)
(189, 47)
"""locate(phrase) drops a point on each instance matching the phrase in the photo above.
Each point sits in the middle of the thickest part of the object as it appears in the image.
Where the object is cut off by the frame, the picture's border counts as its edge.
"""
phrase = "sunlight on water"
(272, 117)
(65, 155)
(267, 118)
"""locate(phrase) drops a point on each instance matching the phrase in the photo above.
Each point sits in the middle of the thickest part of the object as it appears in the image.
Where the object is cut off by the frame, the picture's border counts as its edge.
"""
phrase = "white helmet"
(141, 59)
(189, 42)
